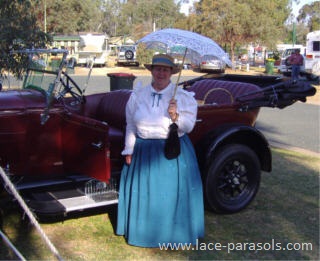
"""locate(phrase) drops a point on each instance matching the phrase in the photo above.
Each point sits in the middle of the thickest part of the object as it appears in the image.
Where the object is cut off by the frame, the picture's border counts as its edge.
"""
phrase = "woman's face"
(161, 76)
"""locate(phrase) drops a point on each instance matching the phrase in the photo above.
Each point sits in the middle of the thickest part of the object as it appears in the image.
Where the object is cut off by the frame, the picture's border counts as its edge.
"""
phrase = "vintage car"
(61, 150)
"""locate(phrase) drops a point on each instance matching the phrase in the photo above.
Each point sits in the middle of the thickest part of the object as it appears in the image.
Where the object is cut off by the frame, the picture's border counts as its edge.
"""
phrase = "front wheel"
(232, 179)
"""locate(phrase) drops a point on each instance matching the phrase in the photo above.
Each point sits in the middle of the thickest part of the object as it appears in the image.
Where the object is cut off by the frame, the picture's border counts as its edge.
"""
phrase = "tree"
(144, 55)
(307, 20)
(310, 15)
(139, 17)
(68, 16)
(111, 12)
(18, 30)
(239, 22)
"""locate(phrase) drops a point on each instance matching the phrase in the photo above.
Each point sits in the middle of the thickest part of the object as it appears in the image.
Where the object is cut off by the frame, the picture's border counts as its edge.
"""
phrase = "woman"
(160, 200)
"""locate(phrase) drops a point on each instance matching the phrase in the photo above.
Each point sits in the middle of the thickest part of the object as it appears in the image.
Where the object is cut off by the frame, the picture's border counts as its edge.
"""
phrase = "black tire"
(129, 55)
(232, 179)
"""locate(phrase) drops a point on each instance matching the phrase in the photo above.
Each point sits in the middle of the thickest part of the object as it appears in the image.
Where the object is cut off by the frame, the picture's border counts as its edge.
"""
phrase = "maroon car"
(62, 150)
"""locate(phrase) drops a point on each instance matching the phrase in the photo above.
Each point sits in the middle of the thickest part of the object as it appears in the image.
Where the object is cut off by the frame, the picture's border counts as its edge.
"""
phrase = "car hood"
(21, 99)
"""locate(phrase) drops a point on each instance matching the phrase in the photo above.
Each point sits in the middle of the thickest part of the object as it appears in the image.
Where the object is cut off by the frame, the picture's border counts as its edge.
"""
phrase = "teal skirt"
(161, 200)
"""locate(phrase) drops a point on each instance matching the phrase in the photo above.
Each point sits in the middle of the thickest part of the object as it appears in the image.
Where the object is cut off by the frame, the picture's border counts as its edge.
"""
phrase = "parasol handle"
(177, 83)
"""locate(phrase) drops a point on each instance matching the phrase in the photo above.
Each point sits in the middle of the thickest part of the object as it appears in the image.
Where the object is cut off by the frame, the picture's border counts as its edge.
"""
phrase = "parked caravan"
(312, 59)
(84, 47)
(93, 46)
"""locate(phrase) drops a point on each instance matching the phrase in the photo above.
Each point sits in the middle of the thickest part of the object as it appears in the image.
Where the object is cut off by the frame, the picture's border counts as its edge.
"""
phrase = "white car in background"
(311, 57)
(127, 55)
(212, 64)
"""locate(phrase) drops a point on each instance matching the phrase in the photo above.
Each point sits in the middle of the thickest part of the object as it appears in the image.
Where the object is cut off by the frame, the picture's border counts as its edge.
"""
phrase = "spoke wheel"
(232, 179)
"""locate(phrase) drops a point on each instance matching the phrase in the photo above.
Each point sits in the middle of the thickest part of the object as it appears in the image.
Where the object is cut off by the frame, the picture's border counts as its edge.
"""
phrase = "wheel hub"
(233, 180)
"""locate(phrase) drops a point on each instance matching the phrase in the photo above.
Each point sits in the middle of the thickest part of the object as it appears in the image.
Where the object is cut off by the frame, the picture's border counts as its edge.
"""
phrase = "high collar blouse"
(148, 118)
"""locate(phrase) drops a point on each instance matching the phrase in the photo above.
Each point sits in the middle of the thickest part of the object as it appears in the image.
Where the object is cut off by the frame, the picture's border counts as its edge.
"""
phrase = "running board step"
(86, 202)
(62, 202)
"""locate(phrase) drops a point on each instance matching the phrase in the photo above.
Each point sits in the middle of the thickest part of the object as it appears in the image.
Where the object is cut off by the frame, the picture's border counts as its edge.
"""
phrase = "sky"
(295, 7)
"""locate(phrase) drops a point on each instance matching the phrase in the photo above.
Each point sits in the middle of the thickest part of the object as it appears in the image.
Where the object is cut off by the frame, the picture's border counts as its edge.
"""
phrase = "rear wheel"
(232, 179)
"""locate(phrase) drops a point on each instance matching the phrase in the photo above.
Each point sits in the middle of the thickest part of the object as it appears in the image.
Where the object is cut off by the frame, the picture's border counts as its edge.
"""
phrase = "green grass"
(286, 210)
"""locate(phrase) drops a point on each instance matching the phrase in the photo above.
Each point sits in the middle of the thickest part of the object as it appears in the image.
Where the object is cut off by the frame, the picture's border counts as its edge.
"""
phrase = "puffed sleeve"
(187, 108)
(130, 137)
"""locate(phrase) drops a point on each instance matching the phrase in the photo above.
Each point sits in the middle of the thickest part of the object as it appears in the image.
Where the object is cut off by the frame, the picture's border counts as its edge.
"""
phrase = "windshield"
(43, 69)
(40, 80)
(47, 73)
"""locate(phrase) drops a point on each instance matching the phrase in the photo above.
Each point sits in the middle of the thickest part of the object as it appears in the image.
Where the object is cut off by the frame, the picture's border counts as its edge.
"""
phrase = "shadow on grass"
(284, 214)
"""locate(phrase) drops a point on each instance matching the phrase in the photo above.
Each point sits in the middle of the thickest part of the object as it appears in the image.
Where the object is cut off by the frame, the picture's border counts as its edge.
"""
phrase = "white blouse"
(148, 118)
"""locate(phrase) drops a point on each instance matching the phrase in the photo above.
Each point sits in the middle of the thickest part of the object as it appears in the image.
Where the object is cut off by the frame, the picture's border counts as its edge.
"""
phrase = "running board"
(58, 200)
(86, 202)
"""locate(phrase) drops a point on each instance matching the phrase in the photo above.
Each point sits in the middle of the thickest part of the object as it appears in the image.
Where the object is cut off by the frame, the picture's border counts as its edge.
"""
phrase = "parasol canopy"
(197, 45)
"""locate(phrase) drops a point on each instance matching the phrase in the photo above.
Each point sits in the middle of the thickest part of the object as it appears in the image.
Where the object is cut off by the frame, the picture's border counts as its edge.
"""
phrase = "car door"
(85, 147)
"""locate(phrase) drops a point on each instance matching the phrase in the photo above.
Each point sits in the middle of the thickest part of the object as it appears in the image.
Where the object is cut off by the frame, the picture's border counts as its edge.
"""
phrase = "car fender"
(240, 134)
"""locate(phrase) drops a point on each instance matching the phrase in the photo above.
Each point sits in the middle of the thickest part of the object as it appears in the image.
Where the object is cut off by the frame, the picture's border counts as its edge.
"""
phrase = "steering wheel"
(129, 54)
(70, 91)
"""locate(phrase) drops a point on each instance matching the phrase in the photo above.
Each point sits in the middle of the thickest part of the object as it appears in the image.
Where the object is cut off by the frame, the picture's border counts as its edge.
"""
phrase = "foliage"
(68, 16)
(138, 17)
(300, 34)
(239, 22)
(18, 30)
(148, 15)
(144, 55)
(307, 20)
(111, 16)
(310, 15)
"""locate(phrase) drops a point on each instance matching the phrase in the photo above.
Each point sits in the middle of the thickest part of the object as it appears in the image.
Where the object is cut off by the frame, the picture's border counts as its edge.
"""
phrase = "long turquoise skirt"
(161, 200)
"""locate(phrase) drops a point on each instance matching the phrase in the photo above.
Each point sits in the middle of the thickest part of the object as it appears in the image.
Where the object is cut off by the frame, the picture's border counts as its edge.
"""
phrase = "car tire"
(129, 55)
(232, 179)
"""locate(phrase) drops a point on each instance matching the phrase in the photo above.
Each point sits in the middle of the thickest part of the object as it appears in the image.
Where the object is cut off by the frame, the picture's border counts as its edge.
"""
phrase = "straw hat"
(163, 60)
